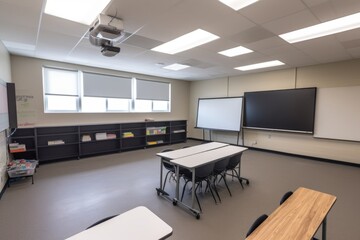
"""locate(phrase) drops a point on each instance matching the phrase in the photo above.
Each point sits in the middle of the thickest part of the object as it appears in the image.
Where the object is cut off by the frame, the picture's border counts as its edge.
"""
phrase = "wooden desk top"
(298, 218)
(136, 224)
(191, 150)
(202, 158)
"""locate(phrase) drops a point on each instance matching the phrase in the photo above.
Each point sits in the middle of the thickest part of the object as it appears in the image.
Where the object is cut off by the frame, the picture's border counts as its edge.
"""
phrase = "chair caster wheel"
(247, 182)
(197, 216)
(174, 203)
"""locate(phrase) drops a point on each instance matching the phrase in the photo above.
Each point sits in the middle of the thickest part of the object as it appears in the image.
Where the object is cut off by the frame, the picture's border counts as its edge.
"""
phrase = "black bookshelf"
(48, 144)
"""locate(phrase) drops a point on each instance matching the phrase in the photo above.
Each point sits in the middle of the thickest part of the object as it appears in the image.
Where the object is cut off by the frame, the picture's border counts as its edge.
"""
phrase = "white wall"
(5, 75)
(27, 76)
(327, 75)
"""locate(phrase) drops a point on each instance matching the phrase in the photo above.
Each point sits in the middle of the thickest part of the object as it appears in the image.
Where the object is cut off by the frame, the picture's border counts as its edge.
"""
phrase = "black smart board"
(220, 113)
(284, 110)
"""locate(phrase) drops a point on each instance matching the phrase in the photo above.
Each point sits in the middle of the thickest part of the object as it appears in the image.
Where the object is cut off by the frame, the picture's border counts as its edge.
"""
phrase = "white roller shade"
(60, 82)
(98, 85)
(151, 90)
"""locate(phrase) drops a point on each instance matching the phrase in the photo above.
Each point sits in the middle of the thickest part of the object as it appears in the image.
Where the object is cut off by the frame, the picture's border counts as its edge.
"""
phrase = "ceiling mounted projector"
(106, 31)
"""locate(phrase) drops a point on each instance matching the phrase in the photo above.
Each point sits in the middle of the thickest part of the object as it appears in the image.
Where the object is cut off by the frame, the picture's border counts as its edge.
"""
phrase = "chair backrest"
(257, 223)
(204, 171)
(234, 161)
(101, 221)
(285, 197)
(221, 165)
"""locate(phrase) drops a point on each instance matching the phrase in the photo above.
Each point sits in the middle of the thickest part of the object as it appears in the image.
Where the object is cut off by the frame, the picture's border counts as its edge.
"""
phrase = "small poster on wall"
(26, 109)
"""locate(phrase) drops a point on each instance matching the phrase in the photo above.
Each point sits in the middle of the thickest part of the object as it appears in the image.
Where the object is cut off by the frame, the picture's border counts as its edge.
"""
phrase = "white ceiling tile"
(265, 11)
(292, 22)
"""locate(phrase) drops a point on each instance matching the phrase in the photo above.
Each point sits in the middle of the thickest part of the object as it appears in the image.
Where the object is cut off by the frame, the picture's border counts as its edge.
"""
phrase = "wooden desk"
(136, 224)
(193, 161)
(298, 218)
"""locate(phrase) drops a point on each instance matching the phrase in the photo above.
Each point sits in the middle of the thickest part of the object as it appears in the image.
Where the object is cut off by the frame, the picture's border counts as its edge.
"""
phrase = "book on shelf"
(179, 131)
(111, 136)
(127, 135)
(155, 130)
(86, 138)
(16, 147)
(100, 136)
(56, 142)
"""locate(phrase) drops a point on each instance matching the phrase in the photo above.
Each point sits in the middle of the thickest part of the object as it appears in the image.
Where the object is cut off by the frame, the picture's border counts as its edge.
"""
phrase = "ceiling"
(25, 30)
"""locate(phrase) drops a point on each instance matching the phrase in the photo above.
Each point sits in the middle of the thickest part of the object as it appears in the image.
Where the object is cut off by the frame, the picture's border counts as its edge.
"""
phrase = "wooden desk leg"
(324, 229)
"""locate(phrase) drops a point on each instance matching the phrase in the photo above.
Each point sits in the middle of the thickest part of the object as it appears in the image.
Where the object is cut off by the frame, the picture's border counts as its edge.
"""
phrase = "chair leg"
(224, 178)
(165, 179)
(212, 193)
(238, 177)
(216, 191)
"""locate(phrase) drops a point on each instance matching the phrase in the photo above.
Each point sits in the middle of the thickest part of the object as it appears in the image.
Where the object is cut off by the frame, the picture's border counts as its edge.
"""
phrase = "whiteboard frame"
(219, 128)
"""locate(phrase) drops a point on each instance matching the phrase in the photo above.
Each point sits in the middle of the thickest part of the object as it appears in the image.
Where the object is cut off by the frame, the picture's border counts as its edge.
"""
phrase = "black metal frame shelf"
(37, 139)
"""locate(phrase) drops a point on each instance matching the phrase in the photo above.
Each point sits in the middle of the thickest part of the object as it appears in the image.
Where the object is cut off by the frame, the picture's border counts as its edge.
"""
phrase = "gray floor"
(69, 196)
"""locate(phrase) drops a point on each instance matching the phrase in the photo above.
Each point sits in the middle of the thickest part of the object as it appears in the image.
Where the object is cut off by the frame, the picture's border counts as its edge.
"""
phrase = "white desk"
(183, 153)
(136, 224)
(191, 162)
(191, 150)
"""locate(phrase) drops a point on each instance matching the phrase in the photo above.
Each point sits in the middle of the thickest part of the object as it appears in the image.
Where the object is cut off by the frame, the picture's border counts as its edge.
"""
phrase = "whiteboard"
(338, 113)
(220, 113)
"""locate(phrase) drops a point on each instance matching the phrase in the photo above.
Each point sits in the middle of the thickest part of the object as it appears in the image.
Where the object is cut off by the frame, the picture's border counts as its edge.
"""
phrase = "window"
(77, 91)
(155, 95)
(61, 90)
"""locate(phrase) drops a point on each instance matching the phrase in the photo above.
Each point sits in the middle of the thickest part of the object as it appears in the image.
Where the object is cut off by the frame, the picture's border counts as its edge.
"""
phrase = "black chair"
(233, 163)
(202, 173)
(220, 170)
(101, 221)
(256, 224)
(167, 166)
(285, 197)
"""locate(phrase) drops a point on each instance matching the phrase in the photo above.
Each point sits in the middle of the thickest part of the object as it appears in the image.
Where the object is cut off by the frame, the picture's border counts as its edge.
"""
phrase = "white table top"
(202, 158)
(136, 224)
(191, 150)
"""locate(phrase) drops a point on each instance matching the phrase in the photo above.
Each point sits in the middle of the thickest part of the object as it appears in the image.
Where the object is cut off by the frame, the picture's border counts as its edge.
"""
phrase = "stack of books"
(56, 142)
(86, 138)
(127, 135)
(16, 147)
(111, 136)
(100, 136)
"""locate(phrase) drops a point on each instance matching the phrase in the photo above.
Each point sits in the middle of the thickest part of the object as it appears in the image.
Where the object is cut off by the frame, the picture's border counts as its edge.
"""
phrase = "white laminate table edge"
(203, 158)
(191, 150)
(136, 224)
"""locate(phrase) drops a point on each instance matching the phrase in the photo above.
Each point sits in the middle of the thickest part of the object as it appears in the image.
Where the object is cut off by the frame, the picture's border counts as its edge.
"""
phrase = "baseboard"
(296, 155)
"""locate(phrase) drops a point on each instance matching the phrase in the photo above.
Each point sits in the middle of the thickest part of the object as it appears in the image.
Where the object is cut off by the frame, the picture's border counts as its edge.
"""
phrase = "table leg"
(177, 182)
(324, 229)
(161, 173)
(193, 189)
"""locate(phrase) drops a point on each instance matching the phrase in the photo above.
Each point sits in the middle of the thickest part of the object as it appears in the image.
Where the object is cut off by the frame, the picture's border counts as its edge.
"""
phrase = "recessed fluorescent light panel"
(323, 29)
(186, 42)
(81, 11)
(238, 4)
(176, 66)
(260, 65)
(232, 52)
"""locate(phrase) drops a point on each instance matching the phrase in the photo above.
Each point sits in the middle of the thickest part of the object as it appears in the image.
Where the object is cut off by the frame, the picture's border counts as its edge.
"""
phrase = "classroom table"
(191, 150)
(193, 161)
(298, 218)
(136, 224)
